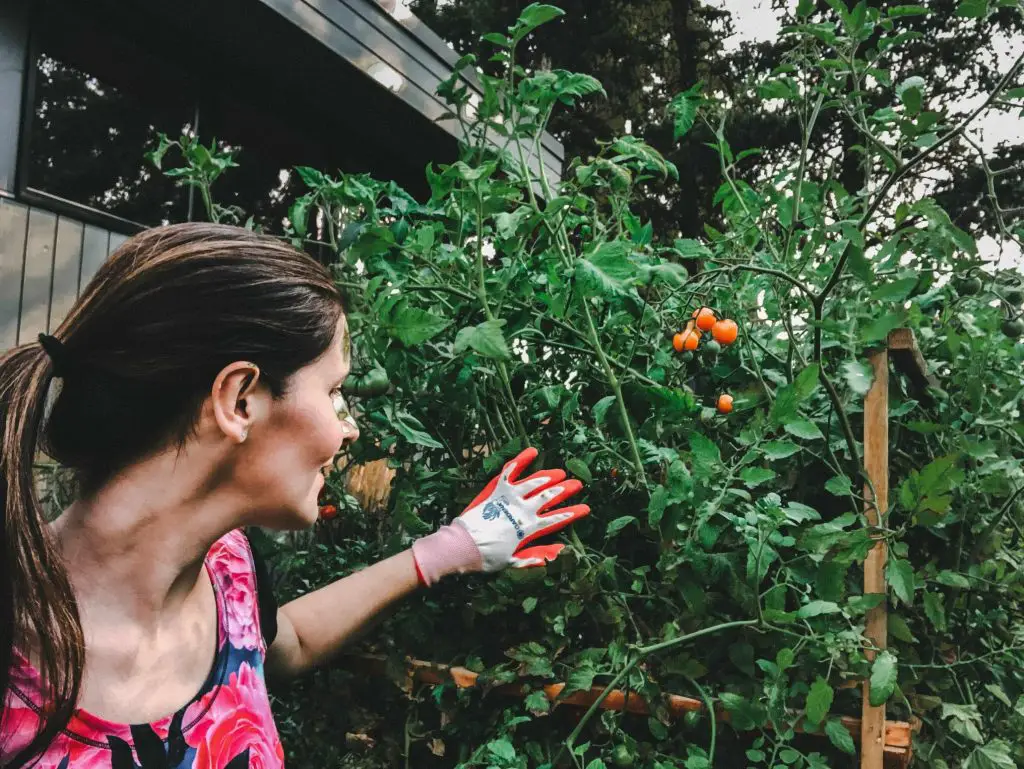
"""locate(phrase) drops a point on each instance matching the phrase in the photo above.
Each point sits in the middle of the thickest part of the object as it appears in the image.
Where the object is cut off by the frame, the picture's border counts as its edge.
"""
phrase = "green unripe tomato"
(368, 385)
(1014, 296)
(692, 718)
(1013, 328)
(686, 357)
(969, 286)
(712, 348)
(621, 756)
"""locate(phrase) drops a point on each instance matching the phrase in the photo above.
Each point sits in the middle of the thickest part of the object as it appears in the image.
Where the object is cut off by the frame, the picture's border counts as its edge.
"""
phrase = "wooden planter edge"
(898, 734)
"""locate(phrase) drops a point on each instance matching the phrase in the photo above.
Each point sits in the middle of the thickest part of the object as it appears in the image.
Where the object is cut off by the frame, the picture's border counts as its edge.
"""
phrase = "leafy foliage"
(723, 558)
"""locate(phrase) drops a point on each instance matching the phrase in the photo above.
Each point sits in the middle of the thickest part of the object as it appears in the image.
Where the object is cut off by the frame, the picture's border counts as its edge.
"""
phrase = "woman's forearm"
(314, 627)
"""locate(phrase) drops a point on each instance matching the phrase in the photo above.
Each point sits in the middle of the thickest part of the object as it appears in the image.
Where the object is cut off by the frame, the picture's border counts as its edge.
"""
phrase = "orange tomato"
(725, 331)
(677, 342)
(690, 340)
(724, 403)
(705, 318)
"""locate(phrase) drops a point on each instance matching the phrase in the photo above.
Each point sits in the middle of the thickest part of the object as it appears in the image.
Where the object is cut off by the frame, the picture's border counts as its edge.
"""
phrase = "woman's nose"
(350, 430)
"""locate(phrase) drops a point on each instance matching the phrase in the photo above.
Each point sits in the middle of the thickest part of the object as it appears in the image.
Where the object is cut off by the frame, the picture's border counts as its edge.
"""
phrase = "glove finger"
(539, 481)
(535, 556)
(556, 494)
(510, 473)
(557, 519)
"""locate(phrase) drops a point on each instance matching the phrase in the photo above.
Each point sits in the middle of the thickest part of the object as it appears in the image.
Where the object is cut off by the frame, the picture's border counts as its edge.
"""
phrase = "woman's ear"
(234, 399)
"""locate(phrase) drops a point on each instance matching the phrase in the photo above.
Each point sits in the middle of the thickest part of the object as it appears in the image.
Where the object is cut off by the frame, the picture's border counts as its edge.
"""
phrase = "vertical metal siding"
(37, 282)
(45, 261)
(13, 227)
(67, 267)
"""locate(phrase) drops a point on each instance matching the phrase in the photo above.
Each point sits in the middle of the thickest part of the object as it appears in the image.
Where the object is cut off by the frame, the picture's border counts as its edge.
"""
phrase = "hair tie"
(57, 353)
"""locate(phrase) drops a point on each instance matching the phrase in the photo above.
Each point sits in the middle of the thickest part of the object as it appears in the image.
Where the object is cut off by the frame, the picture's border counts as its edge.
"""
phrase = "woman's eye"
(341, 409)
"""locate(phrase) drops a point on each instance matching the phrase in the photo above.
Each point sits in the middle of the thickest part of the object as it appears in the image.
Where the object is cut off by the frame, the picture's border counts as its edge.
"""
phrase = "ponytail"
(38, 612)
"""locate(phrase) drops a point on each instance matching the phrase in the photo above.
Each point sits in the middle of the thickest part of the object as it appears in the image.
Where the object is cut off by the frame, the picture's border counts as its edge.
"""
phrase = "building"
(84, 86)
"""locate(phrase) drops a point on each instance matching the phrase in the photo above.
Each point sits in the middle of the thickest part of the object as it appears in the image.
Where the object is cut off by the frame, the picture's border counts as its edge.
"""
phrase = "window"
(97, 100)
(94, 108)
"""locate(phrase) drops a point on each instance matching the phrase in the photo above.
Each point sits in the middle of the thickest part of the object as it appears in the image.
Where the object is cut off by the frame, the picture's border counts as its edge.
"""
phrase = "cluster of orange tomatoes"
(723, 333)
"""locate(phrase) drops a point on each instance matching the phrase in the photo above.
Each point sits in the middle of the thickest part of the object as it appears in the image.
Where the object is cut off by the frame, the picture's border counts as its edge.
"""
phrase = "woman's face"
(288, 450)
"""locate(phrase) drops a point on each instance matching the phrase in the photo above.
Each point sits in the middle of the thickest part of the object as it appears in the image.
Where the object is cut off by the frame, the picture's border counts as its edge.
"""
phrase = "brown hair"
(136, 358)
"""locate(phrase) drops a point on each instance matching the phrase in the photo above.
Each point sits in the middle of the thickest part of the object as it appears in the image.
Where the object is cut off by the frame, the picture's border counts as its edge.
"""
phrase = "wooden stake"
(876, 496)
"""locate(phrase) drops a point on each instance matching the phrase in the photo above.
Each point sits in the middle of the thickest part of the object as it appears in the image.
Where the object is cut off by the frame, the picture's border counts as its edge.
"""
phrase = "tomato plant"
(723, 559)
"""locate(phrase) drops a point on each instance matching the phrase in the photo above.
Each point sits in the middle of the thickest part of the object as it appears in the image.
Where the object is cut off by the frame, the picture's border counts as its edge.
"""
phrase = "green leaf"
(802, 428)
(745, 715)
(908, 10)
(619, 524)
(533, 16)
(839, 736)
(485, 339)
(787, 403)
(840, 485)
(597, 763)
(883, 678)
(859, 376)
(911, 92)
(705, 451)
(819, 700)
(830, 582)
(579, 680)
(900, 576)
(579, 468)
(755, 476)
(997, 691)
(537, 703)
(951, 578)
(410, 428)
(299, 213)
(502, 749)
(894, 291)
(606, 270)
(997, 754)
(779, 449)
(656, 507)
(529, 604)
(497, 39)
(900, 630)
(879, 328)
(935, 610)
(412, 326)
(683, 109)
(817, 608)
(972, 9)
(601, 408)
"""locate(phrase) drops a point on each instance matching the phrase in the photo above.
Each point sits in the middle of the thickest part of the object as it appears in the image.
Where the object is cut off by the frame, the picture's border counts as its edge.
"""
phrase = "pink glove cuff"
(449, 550)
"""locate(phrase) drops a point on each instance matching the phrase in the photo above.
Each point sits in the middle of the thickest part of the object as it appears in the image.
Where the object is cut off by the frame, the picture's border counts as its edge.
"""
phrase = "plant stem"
(481, 276)
(642, 653)
(613, 382)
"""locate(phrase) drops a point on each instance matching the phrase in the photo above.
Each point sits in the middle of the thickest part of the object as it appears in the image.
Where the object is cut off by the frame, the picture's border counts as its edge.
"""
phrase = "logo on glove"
(499, 507)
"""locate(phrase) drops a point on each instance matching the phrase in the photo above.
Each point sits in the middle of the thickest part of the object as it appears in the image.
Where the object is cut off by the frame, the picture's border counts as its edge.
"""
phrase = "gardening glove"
(494, 529)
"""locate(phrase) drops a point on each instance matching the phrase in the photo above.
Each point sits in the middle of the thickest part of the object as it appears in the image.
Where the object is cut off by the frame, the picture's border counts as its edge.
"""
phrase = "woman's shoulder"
(244, 591)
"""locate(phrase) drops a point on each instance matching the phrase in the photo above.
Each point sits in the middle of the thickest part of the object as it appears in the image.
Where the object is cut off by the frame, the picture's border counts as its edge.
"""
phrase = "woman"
(199, 392)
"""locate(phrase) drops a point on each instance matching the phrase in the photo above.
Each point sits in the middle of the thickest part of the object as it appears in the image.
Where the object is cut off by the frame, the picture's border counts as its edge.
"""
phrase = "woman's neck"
(135, 548)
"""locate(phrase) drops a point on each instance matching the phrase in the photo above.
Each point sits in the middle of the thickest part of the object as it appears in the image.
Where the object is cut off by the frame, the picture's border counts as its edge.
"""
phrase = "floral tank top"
(227, 725)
